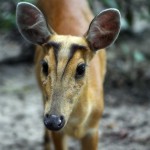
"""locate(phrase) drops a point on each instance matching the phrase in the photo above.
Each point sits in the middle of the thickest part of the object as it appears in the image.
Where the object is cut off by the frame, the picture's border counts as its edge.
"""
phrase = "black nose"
(54, 122)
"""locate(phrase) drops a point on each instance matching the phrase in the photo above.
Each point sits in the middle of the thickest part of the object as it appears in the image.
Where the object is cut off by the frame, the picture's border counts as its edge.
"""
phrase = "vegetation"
(129, 10)
(7, 15)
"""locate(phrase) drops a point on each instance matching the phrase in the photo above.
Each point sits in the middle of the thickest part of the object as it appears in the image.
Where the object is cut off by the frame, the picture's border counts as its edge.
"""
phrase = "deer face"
(63, 76)
(64, 65)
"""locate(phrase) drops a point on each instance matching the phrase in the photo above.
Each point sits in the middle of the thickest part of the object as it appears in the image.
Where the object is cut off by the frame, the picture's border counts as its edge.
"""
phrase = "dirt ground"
(125, 124)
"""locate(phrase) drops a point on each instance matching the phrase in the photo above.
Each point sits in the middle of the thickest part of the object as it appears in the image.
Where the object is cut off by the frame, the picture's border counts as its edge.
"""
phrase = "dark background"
(125, 123)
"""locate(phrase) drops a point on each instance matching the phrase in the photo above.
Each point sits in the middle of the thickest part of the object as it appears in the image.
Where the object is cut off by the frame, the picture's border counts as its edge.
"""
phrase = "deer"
(70, 65)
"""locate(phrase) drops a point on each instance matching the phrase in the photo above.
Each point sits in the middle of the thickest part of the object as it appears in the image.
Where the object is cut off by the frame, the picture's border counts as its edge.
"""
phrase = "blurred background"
(126, 119)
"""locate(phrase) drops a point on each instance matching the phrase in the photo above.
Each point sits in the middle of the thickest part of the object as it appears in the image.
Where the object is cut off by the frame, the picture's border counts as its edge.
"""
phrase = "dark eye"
(44, 67)
(80, 70)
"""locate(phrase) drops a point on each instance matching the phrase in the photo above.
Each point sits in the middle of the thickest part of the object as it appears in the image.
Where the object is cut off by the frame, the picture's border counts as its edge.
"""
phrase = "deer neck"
(69, 17)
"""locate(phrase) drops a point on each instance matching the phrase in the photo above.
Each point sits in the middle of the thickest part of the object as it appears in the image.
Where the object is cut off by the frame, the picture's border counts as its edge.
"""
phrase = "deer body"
(73, 16)
(72, 72)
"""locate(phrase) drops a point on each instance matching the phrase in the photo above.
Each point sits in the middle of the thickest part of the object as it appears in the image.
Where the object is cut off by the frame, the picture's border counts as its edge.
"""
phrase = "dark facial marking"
(73, 49)
(44, 67)
(56, 47)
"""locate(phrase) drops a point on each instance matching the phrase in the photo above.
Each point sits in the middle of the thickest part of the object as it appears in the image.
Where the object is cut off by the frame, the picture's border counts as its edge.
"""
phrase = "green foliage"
(138, 56)
(8, 12)
(127, 8)
(130, 10)
(110, 3)
(31, 1)
(7, 20)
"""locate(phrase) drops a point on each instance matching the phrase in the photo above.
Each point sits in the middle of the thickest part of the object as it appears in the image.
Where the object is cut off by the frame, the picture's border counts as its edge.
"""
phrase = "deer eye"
(44, 67)
(80, 71)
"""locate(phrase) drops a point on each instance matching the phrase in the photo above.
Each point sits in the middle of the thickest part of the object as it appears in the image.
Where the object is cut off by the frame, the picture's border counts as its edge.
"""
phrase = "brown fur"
(83, 97)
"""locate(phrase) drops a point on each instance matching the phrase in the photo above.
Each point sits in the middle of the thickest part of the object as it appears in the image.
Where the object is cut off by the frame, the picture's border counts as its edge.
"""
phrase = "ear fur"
(31, 23)
(104, 29)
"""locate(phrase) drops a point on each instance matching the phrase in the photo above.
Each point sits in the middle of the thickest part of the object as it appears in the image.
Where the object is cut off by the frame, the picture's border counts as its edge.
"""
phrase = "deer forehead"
(68, 52)
(68, 47)
(68, 40)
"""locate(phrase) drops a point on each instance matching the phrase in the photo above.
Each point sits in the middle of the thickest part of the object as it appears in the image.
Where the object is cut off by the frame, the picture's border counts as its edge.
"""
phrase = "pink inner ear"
(104, 29)
(30, 15)
(31, 23)
(109, 21)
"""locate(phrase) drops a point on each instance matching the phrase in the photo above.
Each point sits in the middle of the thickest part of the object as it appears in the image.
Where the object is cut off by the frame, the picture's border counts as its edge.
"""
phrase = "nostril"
(46, 115)
(54, 122)
(62, 118)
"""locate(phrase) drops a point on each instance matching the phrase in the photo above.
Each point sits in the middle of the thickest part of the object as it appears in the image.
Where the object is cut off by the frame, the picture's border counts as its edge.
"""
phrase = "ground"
(125, 124)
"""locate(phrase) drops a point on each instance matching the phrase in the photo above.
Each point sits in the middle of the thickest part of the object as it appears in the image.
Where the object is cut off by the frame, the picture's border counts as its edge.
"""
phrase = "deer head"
(64, 64)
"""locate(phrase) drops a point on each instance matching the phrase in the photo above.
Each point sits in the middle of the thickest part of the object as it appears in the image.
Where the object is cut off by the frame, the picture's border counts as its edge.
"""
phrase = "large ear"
(104, 29)
(31, 23)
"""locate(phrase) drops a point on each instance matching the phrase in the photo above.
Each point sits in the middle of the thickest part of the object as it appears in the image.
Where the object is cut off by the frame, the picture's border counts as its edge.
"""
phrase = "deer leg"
(59, 140)
(90, 141)
(46, 140)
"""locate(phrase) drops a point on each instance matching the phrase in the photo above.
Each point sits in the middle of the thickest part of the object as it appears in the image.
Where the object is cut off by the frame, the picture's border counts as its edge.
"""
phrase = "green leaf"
(138, 56)
(110, 3)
